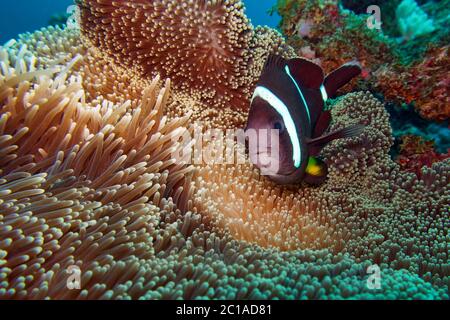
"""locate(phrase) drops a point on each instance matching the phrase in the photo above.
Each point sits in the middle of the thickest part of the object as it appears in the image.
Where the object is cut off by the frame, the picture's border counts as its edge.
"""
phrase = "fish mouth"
(261, 155)
(265, 162)
(268, 164)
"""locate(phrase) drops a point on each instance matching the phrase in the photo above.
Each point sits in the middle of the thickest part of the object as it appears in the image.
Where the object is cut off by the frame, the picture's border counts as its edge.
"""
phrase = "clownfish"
(289, 99)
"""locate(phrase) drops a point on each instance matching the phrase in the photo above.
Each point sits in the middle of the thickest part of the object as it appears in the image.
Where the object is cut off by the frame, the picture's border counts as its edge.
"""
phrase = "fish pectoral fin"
(339, 134)
(316, 171)
(322, 123)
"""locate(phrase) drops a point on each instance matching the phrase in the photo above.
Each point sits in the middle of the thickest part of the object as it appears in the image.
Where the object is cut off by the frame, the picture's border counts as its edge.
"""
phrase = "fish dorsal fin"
(274, 62)
(306, 73)
(339, 77)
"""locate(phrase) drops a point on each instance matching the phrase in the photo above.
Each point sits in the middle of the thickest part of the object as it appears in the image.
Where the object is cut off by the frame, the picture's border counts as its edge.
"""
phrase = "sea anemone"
(68, 166)
(367, 208)
(205, 47)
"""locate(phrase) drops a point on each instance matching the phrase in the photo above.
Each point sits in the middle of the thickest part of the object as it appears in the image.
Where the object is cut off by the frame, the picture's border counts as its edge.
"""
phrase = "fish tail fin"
(316, 171)
(347, 132)
(341, 76)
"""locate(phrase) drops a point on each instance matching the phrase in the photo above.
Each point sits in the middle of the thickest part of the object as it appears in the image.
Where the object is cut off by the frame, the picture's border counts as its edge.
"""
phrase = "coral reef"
(414, 125)
(412, 20)
(424, 84)
(415, 72)
(415, 153)
(334, 36)
(88, 179)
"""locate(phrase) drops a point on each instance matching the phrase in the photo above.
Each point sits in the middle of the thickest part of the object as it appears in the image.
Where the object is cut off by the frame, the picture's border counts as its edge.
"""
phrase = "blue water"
(29, 15)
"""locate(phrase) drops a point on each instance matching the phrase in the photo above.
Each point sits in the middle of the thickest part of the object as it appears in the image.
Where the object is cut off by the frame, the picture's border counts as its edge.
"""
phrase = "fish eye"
(278, 125)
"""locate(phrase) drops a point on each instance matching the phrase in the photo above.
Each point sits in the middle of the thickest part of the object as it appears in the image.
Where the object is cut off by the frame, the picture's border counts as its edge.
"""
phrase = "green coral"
(412, 21)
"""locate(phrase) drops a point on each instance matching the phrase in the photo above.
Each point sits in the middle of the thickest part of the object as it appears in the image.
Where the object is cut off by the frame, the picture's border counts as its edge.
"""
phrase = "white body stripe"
(300, 91)
(283, 110)
(323, 91)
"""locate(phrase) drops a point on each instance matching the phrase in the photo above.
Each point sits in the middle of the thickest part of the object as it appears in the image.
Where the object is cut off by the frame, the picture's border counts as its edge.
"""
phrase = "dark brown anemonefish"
(289, 100)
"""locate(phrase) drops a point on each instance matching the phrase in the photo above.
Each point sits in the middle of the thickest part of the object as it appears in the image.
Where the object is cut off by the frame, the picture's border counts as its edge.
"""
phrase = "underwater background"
(88, 124)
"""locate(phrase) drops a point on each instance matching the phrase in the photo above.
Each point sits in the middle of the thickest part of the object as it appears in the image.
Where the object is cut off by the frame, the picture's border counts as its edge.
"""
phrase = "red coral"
(331, 38)
(415, 152)
(339, 36)
(425, 83)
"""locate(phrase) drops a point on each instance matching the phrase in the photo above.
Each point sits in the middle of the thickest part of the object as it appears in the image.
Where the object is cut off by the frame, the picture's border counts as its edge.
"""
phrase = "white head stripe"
(323, 91)
(300, 91)
(282, 109)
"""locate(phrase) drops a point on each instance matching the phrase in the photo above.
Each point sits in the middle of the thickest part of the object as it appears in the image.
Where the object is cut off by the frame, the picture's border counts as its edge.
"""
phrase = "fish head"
(270, 146)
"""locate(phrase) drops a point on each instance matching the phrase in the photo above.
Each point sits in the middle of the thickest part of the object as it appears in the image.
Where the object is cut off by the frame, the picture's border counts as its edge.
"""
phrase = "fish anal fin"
(306, 73)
